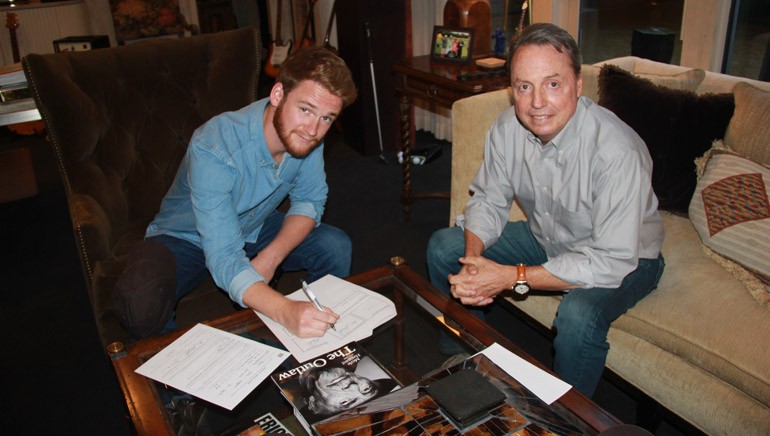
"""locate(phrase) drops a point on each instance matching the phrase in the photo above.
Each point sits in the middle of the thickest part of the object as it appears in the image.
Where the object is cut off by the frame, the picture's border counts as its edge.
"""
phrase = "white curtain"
(426, 14)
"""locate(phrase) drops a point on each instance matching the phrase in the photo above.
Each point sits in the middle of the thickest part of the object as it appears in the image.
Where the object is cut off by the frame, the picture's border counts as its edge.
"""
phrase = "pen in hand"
(311, 296)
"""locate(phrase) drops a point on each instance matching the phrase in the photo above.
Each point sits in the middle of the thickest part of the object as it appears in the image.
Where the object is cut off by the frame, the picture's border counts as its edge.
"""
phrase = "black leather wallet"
(466, 396)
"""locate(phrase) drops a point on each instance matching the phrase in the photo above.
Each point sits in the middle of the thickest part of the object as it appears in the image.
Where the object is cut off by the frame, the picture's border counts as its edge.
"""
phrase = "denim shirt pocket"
(252, 219)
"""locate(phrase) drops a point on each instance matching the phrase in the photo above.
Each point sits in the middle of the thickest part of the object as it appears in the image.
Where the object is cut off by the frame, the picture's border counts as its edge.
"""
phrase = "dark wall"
(386, 21)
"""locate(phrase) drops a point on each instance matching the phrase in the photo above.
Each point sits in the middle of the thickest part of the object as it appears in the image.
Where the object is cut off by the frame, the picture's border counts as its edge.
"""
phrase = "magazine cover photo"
(335, 382)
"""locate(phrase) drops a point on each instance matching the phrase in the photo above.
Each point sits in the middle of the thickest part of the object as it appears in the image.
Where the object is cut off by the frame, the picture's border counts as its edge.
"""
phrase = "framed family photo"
(452, 44)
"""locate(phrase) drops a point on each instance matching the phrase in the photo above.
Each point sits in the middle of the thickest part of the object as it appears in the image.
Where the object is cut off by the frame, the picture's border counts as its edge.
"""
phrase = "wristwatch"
(521, 286)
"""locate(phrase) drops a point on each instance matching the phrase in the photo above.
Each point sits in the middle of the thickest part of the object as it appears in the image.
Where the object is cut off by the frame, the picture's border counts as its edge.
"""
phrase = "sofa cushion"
(696, 313)
(677, 126)
(590, 81)
(684, 81)
(749, 130)
(731, 211)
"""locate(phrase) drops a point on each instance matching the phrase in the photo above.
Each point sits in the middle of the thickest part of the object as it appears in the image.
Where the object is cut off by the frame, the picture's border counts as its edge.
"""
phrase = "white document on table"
(360, 311)
(214, 365)
(547, 387)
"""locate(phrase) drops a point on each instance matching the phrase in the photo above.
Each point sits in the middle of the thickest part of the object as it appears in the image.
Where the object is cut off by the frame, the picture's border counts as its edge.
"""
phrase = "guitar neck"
(306, 39)
(12, 23)
(14, 46)
(277, 37)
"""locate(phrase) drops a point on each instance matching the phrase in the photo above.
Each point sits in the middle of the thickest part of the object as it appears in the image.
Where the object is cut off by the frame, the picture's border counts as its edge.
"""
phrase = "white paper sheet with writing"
(360, 311)
(214, 365)
(547, 387)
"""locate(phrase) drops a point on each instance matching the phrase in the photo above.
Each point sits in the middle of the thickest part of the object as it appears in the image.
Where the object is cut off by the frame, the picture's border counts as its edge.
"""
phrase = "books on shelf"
(12, 75)
(13, 83)
(332, 383)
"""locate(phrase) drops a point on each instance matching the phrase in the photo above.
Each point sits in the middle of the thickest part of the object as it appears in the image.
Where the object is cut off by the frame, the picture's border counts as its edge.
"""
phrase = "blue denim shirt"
(227, 184)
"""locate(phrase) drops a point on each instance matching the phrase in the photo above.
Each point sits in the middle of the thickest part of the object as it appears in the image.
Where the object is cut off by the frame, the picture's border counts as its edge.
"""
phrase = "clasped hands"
(479, 281)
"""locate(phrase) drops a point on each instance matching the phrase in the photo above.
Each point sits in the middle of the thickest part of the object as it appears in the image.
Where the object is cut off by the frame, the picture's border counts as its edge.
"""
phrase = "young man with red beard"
(220, 215)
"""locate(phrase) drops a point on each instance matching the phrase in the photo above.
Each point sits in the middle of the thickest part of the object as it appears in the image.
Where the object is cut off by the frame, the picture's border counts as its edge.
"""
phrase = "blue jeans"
(326, 250)
(584, 315)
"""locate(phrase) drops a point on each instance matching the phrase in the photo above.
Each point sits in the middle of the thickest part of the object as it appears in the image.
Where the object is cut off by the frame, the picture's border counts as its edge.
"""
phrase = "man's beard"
(285, 136)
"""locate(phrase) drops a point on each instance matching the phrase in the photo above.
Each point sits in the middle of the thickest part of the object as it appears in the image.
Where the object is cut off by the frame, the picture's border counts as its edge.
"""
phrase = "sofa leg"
(647, 414)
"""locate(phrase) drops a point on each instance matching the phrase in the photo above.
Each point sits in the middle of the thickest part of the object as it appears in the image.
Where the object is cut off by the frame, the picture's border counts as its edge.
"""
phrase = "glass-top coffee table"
(406, 346)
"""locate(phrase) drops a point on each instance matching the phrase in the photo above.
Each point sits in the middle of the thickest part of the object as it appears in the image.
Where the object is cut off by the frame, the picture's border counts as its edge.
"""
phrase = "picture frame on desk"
(452, 44)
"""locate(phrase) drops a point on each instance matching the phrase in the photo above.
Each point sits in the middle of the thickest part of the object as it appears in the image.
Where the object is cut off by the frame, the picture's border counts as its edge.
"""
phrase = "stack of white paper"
(360, 311)
(214, 365)
(547, 387)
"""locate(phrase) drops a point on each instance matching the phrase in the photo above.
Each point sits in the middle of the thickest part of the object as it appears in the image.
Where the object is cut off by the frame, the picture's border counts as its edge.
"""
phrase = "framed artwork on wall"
(136, 19)
(452, 44)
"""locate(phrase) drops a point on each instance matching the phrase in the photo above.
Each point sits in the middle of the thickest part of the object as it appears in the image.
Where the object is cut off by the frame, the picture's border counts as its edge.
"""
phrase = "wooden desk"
(439, 84)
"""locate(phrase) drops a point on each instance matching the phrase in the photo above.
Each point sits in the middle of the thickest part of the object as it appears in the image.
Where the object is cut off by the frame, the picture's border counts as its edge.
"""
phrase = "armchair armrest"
(471, 119)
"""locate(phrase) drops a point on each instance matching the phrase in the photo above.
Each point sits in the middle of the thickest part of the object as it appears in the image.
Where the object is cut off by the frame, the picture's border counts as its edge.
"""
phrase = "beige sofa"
(698, 345)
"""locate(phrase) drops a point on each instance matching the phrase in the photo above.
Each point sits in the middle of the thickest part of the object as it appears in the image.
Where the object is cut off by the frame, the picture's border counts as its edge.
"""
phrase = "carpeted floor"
(55, 375)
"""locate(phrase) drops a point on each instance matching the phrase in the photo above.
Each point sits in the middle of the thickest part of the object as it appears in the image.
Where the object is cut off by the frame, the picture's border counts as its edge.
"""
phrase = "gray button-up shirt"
(587, 194)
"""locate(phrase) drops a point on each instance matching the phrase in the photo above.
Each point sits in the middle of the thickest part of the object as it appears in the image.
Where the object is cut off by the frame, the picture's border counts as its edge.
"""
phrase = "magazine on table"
(505, 407)
(332, 383)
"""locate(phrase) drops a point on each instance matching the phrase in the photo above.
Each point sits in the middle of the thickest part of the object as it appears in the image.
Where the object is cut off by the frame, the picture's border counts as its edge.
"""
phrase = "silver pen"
(311, 296)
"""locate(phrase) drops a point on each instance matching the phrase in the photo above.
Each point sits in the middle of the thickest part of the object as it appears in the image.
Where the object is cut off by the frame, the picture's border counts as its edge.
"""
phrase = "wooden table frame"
(440, 85)
(146, 410)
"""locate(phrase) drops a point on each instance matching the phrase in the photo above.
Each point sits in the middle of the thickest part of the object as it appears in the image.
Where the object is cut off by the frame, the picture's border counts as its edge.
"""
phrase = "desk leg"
(406, 150)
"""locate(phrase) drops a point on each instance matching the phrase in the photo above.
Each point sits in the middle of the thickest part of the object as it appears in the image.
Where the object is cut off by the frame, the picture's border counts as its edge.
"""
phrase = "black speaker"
(653, 43)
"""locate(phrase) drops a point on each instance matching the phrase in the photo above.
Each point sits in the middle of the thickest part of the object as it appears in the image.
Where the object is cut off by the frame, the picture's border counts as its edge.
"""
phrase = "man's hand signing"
(301, 318)
(304, 320)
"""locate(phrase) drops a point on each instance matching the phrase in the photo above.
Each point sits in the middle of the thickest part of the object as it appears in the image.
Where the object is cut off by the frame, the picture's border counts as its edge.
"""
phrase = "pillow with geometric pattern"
(731, 212)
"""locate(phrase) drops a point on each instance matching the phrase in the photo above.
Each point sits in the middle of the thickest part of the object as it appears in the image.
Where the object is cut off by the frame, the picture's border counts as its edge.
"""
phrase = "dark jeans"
(584, 315)
(327, 250)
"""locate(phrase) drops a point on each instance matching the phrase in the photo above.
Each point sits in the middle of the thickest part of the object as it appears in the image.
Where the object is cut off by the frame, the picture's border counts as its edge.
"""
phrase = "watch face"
(521, 288)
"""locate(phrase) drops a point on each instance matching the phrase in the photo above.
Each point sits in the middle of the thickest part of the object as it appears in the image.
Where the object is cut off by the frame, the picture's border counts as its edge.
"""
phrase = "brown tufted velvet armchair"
(119, 120)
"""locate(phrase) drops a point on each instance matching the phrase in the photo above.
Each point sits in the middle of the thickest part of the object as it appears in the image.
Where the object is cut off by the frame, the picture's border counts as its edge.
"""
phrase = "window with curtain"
(747, 50)
(645, 28)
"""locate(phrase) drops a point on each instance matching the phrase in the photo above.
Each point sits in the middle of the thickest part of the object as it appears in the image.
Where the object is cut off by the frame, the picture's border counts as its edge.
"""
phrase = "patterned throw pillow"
(731, 211)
